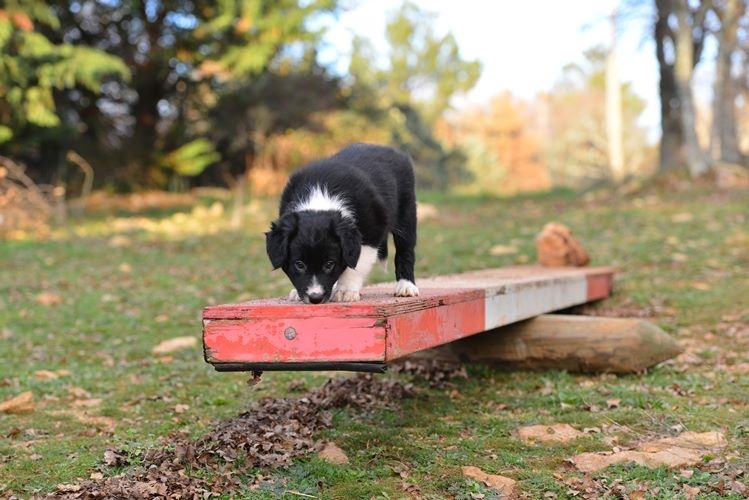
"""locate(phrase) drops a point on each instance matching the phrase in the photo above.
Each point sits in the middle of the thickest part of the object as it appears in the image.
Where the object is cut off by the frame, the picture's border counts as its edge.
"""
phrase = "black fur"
(377, 185)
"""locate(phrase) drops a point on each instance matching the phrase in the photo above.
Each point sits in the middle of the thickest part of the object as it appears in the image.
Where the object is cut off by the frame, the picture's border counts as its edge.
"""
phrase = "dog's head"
(313, 249)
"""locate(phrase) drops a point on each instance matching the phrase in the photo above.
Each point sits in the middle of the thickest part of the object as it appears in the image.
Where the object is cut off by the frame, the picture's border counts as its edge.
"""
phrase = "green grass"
(128, 283)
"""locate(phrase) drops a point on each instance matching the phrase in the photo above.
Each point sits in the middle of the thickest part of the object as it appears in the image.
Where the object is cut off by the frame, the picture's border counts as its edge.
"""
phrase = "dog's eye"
(300, 266)
(328, 266)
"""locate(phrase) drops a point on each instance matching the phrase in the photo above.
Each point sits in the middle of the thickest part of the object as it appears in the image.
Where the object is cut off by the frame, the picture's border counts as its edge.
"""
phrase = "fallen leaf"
(411, 489)
(13, 432)
(78, 392)
(45, 375)
(679, 257)
(557, 433)
(498, 250)
(22, 403)
(97, 422)
(115, 458)
(502, 484)
(690, 492)
(701, 285)
(682, 217)
(738, 368)
(255, 378)
(174, 344)
(48, 299)
(68, 488)
(86, 403)
(683, 450)
(297, 385)
(119, 241)
(181, 408)
(613, 403)
(333, 454)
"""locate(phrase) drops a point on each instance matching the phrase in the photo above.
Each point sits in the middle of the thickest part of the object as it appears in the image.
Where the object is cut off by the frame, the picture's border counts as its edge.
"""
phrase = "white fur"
(320, 200)
(294, 295)
(351, 281)
(405, 288)
(315, 288)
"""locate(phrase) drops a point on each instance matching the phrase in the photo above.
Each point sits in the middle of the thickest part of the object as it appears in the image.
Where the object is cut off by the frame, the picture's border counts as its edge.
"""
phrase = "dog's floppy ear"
(277, 239)
(350, 239)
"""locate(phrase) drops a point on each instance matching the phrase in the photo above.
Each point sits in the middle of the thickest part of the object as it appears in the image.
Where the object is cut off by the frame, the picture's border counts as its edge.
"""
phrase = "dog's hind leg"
(404, 238)
(382, 254)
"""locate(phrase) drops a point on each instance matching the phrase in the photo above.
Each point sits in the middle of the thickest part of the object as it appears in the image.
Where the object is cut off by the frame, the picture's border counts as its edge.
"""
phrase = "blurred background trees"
(176, 94)
(681, 30)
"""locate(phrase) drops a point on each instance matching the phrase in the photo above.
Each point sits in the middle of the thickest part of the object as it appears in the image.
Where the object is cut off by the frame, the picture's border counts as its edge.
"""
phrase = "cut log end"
(575, 343)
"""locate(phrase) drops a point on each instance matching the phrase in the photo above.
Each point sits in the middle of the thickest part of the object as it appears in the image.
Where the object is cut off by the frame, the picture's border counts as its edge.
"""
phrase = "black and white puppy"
(334, 220)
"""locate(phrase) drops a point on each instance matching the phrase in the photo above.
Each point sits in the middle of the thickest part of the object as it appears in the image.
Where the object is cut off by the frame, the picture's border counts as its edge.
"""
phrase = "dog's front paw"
(294, 295)
(406, 288)
(346, 296)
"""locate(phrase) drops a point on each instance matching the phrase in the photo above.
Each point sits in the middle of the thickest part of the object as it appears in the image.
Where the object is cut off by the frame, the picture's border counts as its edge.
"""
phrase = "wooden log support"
(282, 335)
(566, 342)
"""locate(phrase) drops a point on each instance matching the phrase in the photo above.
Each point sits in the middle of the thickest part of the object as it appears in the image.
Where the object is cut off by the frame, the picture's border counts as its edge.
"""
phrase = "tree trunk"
(671, 145)
(723, 133)
(683, 68)
(614, 109)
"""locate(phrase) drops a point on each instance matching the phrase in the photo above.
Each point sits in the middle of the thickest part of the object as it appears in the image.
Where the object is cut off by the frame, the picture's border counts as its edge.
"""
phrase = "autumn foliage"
(504, 157)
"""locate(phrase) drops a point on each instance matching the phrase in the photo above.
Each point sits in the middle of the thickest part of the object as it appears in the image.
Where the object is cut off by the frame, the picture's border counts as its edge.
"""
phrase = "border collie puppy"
(335, 216)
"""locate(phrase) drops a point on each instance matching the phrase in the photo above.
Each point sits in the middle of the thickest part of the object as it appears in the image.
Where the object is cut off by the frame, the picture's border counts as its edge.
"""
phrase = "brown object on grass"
(686, 449)
(557, 247)
(502, 484)
(565, 342)
(554, 433)
(22, 403)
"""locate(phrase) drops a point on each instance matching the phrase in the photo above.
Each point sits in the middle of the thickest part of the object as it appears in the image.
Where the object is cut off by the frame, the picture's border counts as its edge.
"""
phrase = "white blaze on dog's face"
(313, 248)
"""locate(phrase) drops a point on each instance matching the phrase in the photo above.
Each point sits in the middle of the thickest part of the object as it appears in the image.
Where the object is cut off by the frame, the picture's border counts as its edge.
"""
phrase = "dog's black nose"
(315, 298)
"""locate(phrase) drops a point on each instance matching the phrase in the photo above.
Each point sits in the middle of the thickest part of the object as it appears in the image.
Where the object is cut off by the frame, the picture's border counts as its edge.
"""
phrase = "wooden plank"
(566, 342)
(381, 327)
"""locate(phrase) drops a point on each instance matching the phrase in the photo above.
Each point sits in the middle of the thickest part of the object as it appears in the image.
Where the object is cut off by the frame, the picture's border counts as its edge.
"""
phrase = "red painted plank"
(376, 301)
(381, 327)
(600, 285)
(255, 331)
(294, 340)
(419, 330)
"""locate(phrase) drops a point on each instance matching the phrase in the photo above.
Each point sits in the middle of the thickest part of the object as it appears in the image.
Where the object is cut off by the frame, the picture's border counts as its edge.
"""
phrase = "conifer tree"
(33, 69)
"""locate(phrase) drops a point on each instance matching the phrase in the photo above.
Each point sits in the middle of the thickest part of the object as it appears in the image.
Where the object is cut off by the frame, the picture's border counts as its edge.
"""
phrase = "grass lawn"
(81, 312)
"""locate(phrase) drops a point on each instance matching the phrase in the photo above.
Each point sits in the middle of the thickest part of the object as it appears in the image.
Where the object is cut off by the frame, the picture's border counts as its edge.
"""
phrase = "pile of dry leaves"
(437, 373)
(270, 433)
